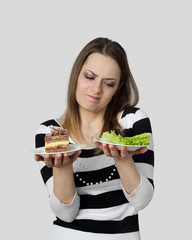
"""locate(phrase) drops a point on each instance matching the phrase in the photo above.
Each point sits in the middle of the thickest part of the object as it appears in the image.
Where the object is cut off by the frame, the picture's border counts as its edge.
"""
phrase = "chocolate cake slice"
(58, 141)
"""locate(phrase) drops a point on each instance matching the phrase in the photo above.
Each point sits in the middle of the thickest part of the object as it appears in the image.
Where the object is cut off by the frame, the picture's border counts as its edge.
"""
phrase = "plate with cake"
(73, 148)
(57, 141)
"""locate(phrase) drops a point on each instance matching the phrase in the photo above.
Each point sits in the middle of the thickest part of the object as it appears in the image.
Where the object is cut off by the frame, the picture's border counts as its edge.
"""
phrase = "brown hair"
(127, 94)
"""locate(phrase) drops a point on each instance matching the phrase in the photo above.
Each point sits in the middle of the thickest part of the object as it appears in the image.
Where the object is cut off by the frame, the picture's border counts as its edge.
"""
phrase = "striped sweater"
(101, 206)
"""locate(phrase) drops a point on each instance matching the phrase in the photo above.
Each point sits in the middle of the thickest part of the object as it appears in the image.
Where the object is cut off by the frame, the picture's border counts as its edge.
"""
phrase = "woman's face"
(97, 83)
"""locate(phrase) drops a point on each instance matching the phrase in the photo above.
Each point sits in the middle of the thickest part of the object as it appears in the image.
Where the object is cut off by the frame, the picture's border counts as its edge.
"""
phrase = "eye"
(89, 77)
(108, 84)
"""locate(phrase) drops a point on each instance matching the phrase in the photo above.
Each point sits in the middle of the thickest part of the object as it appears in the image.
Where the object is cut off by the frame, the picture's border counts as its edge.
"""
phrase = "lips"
(93, 98)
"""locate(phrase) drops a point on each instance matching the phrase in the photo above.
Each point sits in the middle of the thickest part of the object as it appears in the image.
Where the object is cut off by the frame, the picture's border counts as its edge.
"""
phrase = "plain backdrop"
(39, 41)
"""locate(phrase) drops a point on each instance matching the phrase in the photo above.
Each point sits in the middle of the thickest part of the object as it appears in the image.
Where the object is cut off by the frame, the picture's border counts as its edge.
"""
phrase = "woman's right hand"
(60, 160)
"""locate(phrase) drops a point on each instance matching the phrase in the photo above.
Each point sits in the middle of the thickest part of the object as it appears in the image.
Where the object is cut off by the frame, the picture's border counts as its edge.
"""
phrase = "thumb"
(38, 158)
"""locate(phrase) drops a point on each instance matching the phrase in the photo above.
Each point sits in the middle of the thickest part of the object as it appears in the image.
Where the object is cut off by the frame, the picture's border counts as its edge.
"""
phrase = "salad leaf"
(137, 140)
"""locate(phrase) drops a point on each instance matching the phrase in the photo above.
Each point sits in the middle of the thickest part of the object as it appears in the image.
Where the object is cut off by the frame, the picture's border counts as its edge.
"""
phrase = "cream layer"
(53, 144)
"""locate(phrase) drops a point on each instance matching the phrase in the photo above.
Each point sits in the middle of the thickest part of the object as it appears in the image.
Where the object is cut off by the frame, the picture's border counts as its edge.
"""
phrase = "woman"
(97, 194)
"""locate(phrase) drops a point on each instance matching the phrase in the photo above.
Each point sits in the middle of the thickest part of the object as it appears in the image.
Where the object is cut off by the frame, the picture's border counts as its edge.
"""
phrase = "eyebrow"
(97, 75)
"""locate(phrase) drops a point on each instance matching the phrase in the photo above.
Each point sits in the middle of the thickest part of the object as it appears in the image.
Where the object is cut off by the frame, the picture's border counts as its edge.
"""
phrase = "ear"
(120, 84)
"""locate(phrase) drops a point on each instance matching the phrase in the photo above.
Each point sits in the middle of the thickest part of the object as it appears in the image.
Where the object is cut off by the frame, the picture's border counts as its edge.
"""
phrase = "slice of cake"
(58, 141)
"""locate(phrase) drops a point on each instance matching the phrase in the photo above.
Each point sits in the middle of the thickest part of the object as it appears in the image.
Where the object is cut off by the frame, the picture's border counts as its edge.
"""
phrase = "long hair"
(126, 96)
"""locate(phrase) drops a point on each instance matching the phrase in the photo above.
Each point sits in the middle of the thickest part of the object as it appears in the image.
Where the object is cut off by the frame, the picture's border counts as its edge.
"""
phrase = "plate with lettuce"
(131, 143)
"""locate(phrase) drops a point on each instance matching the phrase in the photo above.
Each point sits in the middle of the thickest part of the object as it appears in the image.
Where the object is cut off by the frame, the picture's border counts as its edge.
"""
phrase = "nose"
(97, 86)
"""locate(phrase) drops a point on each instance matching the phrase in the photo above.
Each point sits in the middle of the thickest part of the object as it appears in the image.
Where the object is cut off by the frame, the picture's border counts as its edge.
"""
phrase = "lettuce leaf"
(137, 140)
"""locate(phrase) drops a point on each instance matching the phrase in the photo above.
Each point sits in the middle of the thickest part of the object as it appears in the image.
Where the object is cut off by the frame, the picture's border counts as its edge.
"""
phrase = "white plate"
(73, 148)
(128, 147)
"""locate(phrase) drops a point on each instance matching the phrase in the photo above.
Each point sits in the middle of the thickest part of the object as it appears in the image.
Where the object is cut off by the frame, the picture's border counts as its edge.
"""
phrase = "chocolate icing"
(59, 131)
(56, 138)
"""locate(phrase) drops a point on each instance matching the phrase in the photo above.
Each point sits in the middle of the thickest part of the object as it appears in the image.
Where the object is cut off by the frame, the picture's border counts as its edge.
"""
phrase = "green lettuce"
(137, 140)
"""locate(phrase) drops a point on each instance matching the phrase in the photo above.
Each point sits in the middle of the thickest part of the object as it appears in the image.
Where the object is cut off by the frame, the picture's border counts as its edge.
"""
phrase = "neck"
(90, 121)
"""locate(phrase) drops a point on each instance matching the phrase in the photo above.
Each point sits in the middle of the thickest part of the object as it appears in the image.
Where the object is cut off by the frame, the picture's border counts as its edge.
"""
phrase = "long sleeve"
(65, 212)
(135, 123)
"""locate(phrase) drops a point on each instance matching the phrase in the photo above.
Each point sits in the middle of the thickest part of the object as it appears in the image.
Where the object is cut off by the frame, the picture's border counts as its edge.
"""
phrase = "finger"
(99, 145)
(66, 158)
(48, 161)
(58, 160)
(38, 157)
(106, 150)
(75, 156)
(114, 151)
(141, 150)
(124, 153)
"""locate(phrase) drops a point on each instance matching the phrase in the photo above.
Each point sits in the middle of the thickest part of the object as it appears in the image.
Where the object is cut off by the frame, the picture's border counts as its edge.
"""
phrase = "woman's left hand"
(122, 154)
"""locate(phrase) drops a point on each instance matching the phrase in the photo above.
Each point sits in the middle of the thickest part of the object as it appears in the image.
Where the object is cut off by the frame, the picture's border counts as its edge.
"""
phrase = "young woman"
(96, 194)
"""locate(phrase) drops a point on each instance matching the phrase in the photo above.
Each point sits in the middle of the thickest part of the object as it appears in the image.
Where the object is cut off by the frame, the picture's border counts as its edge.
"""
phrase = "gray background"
(38, 44)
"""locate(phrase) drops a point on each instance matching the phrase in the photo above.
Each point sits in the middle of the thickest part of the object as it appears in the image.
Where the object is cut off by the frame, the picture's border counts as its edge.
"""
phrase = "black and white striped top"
(101, 206)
